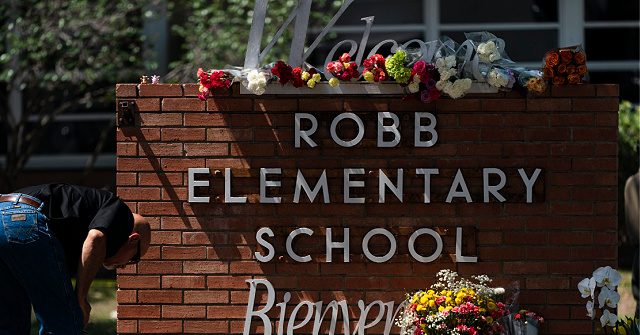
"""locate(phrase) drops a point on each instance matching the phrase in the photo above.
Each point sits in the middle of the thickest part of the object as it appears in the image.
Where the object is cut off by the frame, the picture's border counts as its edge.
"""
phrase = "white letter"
(528, 182)
(388, 129)
(283, 310)
(227, 189)
(301, 12)
(493, 189)
(427, 182)
(193, 183)
(412, 248)
(459, 257)
(348, 184)
(365, 245)
(305, 134)
(384, 181)
(322, 184)
(262, 314)
(264, 183)
(453, 191)
(264, 243)
(344, 245)
(290, 238)
(356, 140)
(317, 322)
(419, 128)
(362, 321)
(291, 326)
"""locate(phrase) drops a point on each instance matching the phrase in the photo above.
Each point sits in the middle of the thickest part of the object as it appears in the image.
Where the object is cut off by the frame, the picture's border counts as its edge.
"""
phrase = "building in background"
(609, 31)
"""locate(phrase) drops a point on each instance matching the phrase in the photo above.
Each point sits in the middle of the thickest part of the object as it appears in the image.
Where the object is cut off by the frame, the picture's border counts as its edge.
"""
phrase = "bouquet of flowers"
(283, 71)
(605, 279)
(397, 66)
(344, 69)
(501, 78)
(423, 81)
(449, 82)
(296, 76)
(256, 82)
(374, 69)
(489, 48)
(453, 305)
(566, 66)
(523, 322)
(214, 79)
(531, 80)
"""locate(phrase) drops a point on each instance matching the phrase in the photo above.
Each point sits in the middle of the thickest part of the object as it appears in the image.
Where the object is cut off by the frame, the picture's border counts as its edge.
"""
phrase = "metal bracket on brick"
(126, 113)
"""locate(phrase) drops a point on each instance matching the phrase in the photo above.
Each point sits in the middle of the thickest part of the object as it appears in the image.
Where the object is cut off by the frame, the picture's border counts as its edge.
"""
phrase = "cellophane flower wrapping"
(500, 78)
(452, 82)
(489, 47)
(453, 305)
(533, 81)
(566, 65)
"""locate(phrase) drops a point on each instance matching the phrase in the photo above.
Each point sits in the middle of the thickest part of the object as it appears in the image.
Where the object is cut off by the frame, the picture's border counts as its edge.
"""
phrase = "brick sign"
(271, 213)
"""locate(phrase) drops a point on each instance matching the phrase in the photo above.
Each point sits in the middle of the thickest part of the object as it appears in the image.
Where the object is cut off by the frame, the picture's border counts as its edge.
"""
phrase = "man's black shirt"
(74, 210)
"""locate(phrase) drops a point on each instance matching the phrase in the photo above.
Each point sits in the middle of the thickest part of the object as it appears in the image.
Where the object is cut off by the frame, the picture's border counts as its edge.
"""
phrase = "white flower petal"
(600, 274)
(590, 309)
(583, 287)
(608, 318)
(614, 278)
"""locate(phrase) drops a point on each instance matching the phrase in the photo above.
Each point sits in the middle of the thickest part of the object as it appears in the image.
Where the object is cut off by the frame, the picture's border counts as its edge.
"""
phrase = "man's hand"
(85, 307)
(93, 253)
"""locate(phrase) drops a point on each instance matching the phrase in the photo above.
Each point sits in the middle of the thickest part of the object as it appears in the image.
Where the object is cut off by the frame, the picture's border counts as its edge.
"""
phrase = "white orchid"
(606, 276)
(587, 287)
(591, 311)
(608, 297)
(608, 318)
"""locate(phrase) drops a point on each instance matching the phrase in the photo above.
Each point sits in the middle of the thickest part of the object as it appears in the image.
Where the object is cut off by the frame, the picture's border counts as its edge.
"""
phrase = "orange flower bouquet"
(566, 66)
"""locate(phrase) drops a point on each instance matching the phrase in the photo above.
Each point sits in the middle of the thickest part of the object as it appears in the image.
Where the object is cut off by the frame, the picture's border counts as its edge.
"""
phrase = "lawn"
(102, 297)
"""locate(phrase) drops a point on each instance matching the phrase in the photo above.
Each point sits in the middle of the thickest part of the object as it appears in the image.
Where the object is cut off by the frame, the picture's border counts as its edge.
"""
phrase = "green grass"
(102, 298)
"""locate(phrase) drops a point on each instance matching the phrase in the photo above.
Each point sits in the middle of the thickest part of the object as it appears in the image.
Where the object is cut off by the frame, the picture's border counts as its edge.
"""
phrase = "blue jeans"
(32, 271)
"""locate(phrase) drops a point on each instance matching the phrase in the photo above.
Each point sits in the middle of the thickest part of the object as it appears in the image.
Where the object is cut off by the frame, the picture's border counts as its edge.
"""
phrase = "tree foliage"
(215, 33)
(61, 55)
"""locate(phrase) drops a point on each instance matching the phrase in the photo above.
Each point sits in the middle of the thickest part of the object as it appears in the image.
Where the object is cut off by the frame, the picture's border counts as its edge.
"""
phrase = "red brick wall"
(193, 278)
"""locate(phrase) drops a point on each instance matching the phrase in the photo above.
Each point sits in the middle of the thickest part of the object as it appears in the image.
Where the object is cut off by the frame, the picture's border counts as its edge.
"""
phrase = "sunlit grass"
(102, 297)
(627, 305)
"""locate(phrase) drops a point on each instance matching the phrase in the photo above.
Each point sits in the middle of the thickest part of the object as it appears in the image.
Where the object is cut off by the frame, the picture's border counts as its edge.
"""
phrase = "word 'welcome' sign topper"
(255, 56)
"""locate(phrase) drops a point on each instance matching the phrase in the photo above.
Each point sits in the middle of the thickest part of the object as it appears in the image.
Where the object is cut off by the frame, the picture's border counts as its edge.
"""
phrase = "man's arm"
(94, 251)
